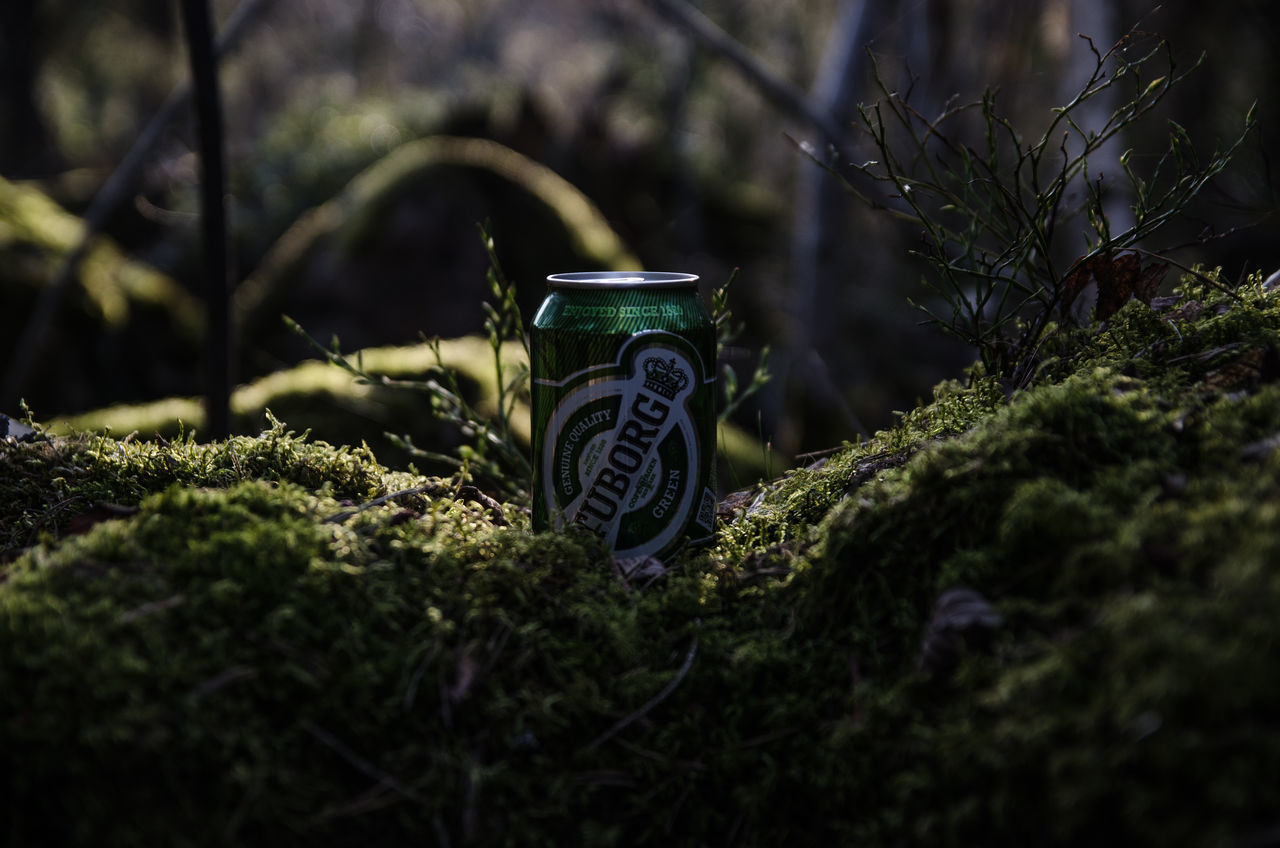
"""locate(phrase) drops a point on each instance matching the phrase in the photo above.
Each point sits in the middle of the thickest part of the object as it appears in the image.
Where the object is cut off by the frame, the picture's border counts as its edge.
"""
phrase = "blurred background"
(354, 198)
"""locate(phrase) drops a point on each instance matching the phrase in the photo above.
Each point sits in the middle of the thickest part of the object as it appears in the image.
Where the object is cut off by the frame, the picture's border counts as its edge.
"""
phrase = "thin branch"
(360, 763)
(715, 40)
(433, 489)
(648, 705)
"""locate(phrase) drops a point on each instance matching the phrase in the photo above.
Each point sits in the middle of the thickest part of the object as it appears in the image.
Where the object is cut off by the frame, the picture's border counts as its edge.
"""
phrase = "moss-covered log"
(285, 643)
(118, 318)
(325, 401)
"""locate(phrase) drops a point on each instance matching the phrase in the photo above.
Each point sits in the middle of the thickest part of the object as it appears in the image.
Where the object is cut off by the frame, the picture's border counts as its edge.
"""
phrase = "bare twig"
(766, 738)
(376, 797)
(715, 40)
(648, 705)
(411, 692)
(992, 217)
(437, 490)
(151, 608)
(471, 493)
(433, 489)
(223, 678)
(361, 765)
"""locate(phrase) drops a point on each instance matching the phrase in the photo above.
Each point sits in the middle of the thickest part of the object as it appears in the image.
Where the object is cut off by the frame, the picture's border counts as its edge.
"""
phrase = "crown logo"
(664, 378)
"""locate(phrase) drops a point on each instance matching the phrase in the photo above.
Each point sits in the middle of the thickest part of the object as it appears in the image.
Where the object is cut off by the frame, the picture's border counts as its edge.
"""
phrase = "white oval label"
(623, 452)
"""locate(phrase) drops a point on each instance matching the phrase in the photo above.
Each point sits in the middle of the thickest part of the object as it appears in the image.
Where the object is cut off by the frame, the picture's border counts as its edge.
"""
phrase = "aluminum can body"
(623, 384)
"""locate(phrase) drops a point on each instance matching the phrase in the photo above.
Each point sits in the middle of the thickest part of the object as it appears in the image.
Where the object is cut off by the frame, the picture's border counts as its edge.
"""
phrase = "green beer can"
(623, 368)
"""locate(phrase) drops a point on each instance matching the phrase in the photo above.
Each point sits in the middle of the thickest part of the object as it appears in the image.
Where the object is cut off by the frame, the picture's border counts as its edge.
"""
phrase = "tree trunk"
(24, 143)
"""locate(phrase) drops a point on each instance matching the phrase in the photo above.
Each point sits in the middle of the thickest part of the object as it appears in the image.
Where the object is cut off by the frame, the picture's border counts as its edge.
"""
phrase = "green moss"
(327, 402)
(266, 653)
(45, 484)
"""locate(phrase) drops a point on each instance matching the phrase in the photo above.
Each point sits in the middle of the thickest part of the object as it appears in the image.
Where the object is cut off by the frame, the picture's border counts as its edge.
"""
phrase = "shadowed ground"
(259, 642)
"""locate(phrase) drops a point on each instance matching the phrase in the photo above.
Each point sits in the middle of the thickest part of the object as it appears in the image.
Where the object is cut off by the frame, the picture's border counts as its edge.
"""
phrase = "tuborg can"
(624, 410)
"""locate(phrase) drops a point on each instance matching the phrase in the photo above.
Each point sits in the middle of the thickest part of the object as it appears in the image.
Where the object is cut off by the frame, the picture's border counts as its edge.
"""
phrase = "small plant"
(726, 334)
(1000, 221)
(494, 454)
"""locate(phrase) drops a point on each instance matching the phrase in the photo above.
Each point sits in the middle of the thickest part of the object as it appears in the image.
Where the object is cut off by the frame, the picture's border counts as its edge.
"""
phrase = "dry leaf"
(1253, 367)
(96, 514)
(1119, 278)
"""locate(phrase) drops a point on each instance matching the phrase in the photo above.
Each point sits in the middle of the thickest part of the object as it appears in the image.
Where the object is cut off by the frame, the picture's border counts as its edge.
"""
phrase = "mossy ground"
(272, 651)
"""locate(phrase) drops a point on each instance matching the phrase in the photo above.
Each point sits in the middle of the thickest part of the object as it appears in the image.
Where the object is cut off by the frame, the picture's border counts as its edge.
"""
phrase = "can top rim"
(621, 279)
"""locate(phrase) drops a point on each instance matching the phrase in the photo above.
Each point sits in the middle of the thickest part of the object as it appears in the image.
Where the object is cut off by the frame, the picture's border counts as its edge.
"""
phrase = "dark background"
(690, 163)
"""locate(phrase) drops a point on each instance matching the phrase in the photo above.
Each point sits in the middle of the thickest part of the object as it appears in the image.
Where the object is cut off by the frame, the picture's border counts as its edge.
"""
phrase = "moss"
(327, 402)
(268, 653)
(45, 484)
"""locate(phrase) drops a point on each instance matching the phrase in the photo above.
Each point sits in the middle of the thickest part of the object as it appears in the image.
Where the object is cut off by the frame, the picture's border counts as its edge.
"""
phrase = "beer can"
(623, 384)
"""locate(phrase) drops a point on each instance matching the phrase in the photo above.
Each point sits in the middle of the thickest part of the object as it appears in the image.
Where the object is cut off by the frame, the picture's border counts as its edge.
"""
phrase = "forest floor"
(1035, 616)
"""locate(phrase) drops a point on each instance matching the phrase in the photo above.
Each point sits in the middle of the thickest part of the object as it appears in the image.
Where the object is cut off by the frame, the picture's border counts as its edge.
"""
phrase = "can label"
(624, 449)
